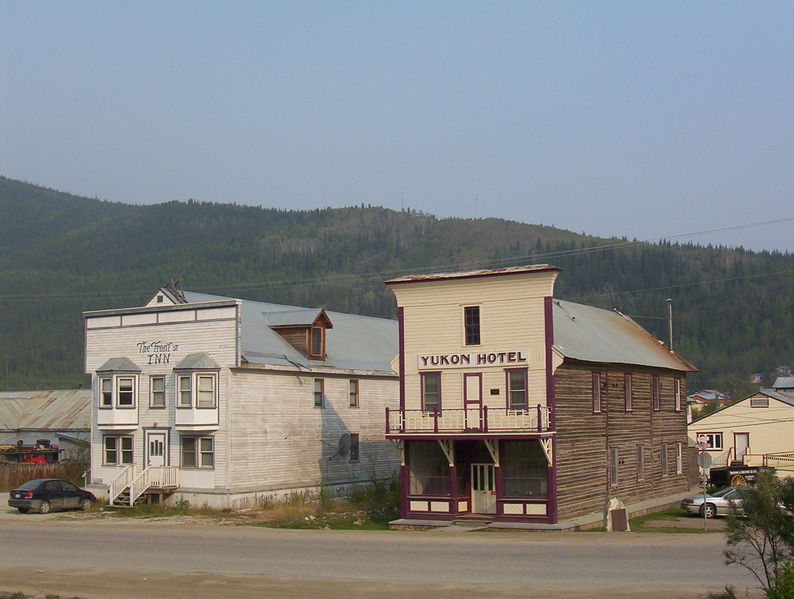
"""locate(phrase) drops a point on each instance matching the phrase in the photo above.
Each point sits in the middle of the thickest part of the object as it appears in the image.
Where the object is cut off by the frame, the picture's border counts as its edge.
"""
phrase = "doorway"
(741, 443)
(156, 443)
(472, 400)
(483, 489)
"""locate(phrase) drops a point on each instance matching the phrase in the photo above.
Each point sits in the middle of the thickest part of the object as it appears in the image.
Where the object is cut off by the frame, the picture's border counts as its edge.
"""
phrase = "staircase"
(129, 489)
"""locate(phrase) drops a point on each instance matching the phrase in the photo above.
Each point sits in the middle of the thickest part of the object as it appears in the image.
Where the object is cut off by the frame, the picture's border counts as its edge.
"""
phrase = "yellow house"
(755, 431)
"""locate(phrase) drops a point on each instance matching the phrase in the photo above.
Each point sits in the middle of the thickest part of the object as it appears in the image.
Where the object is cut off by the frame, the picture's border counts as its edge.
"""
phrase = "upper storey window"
(471, 322)
(317, 344)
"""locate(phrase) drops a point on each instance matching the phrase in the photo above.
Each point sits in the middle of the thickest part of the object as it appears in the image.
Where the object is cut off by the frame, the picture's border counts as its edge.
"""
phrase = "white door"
(156, 454)
(483, 488)
(742, 443)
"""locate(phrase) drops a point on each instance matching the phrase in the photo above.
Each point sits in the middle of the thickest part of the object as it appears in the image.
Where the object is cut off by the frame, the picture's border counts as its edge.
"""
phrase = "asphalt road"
(120, 558)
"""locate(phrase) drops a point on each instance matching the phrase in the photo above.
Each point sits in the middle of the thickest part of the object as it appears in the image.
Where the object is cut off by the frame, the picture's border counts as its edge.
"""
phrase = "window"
(759, 402)
(656, 389)
(596, 393)
(159, 299)
(517, 389)
(353, 392)
(198, 452)
(524, 469)
(471, 321)
(106, 393)
(185, 391)
(316, 347)
(628, 398)
(431, 390)
(429, 469)
(354, 447)
(613, 467)
(640, 463)
(679, 458)
(206, 391)
(118, 450)
(713, 441)
(126, 393)
(664, 460)
(319, 393)
(678, 399)
(157, 392)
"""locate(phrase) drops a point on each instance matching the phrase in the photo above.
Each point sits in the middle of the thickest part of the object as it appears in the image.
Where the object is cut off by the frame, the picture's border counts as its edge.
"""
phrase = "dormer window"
(317, 342)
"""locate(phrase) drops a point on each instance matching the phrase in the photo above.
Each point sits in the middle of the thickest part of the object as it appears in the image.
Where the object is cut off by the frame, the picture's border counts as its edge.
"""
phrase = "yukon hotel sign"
(473, 360)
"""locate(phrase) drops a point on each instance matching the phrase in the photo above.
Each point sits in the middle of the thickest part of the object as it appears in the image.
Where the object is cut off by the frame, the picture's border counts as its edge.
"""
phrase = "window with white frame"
(157, 392)
(517, 389)
(185, 390)
(205, 384)
(106, 392)
(431, 390)
(353, 393)
(125, 392)
(656, 393)
(640, 463)
(317, 343)
(678, 395)
(713, 441)
(664, 460)
(679, 458)
(117, 450)
(198, 452)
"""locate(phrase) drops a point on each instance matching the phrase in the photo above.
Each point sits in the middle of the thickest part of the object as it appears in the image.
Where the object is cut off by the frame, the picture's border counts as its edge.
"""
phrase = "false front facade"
(516, 406)
(223, 401)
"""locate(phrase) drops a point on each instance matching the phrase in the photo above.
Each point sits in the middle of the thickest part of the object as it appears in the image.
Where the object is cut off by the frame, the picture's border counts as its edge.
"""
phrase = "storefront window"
(429, 469)
(524, 469)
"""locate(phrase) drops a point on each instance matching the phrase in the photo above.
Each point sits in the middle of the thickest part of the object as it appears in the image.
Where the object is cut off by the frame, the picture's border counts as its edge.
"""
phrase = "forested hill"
(61, 254)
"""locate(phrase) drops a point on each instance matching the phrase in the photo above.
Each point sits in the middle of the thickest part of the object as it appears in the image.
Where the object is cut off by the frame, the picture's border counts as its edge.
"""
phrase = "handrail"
(121, 482)
(153, 476)
(479, 419)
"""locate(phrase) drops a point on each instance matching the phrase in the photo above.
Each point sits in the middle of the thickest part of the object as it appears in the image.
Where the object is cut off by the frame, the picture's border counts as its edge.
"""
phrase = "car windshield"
(723, 493)
(31, 485)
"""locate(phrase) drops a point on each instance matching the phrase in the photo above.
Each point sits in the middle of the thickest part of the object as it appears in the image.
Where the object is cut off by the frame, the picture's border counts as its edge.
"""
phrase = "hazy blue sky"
(643, 119)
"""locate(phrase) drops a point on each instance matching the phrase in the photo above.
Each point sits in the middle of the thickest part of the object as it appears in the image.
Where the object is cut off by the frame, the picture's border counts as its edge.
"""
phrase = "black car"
(46, 494)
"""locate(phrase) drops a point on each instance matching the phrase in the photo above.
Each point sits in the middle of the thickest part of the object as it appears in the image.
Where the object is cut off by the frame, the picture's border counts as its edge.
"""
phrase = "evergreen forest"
(61, 255)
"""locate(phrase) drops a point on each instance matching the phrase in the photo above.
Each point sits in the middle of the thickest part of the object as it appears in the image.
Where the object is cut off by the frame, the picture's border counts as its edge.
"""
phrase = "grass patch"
(638, 524)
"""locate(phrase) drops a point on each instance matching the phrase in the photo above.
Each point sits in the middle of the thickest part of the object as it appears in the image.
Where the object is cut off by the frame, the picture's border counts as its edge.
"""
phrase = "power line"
(342, 277)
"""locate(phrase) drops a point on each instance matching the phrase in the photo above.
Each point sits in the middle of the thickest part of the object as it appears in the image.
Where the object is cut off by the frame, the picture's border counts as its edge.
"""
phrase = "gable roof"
(593, 334)
(785, 398)
(298, 318)
(354, 343)
(57, 410)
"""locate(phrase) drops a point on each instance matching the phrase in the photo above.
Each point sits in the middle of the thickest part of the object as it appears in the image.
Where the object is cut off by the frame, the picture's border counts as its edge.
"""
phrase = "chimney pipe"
(670, 323)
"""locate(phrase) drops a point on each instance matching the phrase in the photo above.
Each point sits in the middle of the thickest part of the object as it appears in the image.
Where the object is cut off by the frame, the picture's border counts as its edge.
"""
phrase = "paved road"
(157, 559)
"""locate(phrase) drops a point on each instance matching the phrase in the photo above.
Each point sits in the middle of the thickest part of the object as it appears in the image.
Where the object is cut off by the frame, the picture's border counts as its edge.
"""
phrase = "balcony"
(468, 420)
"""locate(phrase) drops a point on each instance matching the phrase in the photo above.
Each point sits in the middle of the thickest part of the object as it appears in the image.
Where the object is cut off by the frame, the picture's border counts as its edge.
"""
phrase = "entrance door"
(472, 400)
(155, 448)
(741, 441)
(483, 489)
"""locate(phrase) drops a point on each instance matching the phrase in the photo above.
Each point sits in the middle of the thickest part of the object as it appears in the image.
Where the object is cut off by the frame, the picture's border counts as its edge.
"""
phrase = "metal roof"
(354, 343)
(486, 272)
(119, 365)
(594, 334)
(197, 362)
(296, 318)
(783, 382)
(58, 410)
(786, 398)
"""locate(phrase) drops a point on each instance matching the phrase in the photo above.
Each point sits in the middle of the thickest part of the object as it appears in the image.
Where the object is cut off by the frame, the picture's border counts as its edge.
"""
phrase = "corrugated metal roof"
(783, 382)
(355, 342)
(197, 362)
(485, 272)
(58, 410)
(594, 334)
(288, 318)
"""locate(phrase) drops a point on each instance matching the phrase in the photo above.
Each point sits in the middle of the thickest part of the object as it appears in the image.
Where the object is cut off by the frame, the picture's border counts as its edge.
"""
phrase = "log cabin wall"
(584, 439)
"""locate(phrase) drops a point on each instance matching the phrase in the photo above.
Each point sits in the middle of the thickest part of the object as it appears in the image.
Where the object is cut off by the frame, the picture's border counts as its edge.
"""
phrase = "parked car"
(715, 504)
(46, 494)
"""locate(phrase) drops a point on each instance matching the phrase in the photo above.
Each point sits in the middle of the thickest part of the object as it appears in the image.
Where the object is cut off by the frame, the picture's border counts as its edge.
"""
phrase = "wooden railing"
(783, 460)
(120, 483)
(153, 476)
(463, 420)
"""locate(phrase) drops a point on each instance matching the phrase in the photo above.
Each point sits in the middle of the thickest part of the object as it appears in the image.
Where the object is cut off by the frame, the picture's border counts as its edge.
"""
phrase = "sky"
(636, 119)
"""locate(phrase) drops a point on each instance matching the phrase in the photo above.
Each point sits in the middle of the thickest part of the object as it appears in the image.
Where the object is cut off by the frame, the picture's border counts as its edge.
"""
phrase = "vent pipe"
(670, 323)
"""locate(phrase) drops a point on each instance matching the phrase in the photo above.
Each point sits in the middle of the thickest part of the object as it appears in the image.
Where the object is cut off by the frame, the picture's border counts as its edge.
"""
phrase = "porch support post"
(446, 447)
(405, 478)
(493, 449)
(453, 489)
(546, 445)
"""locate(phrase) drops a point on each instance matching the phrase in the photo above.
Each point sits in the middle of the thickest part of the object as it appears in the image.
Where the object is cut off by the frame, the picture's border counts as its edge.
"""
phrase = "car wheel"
(708, 510)
(86, 504)
(45, 507)
(23, 510)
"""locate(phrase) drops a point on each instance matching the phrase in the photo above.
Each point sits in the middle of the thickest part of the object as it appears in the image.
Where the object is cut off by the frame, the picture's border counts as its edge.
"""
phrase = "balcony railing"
(466, 420)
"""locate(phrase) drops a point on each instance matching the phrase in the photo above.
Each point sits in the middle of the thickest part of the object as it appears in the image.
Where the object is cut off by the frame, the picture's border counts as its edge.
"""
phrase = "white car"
(715, 504)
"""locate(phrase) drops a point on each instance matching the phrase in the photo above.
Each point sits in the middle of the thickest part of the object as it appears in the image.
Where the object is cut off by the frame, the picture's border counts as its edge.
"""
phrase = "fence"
(13, 475)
